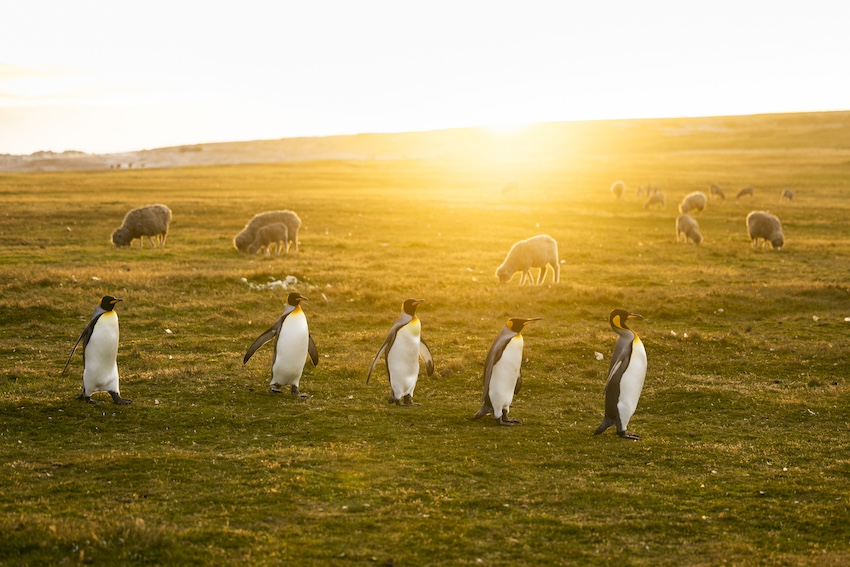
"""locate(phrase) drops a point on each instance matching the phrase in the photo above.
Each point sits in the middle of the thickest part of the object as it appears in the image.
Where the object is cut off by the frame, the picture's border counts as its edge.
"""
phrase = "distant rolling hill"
(542, 142)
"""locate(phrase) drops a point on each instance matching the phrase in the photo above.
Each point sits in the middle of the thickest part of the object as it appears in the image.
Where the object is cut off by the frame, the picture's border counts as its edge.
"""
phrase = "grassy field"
(745, 415)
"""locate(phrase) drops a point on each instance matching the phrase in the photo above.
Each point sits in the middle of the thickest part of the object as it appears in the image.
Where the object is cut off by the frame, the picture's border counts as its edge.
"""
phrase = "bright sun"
(507, 127)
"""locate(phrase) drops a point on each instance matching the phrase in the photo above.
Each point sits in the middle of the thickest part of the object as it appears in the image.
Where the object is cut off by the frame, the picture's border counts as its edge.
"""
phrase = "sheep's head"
(697, 238)
(121, 237)
(778, 241)
(503, 274)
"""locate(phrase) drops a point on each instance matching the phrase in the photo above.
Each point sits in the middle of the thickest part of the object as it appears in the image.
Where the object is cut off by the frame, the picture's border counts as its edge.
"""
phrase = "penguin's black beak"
(635, 316)
(116, 300)
(527, 321)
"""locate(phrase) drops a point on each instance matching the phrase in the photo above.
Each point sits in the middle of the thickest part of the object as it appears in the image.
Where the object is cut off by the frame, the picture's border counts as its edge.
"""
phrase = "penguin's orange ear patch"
(617, 321)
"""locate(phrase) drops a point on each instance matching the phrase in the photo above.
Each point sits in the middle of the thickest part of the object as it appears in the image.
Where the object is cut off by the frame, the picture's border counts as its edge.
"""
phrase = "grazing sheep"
(687, 229)
(765, 227)
(693, 202)
(618, 188)
(538, 251)
(656, 199)
(787, 195)
(716, 192)
(152, 220)
(245, 238)
(276, 235)
(745, 192)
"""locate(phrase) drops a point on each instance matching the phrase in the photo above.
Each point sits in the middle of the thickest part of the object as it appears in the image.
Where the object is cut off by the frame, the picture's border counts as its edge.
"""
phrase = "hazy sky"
(107, 76)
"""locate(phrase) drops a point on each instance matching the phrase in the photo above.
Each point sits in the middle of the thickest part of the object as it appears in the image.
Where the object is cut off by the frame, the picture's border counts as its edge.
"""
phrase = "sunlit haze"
(101, 77)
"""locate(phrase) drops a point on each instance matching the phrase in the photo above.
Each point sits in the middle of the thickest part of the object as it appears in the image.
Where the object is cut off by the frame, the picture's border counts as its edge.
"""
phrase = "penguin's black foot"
(505, 420)
(395, 401)
(298, 393)
(408, 401)
(118, 400)
(84, 398)
(629, 435)
(275, 389)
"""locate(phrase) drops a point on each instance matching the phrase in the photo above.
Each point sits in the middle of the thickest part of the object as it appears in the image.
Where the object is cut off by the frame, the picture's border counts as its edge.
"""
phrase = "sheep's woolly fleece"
(287, 283)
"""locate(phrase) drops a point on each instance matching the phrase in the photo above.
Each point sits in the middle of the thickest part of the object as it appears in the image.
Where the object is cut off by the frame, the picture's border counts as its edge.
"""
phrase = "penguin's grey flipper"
(267, 335)
(518, 384)
(314, 352)
(118, 400)
(84, 338)
(629, 435)
(606, 423)
(381, 351)
(425, 355)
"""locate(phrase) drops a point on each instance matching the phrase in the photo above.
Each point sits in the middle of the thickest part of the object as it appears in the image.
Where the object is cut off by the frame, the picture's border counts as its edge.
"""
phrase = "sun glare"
(507, 127)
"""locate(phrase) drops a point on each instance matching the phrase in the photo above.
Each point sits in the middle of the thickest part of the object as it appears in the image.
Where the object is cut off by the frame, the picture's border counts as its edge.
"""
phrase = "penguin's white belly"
(631, 383)
(403, 360)
(504, 377)
(101, 367)
(291, 351)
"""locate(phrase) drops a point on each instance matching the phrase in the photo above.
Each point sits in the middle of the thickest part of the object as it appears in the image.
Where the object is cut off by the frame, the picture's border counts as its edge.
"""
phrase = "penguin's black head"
(618, 318)
(295, 298)
(108, 302)
(516, 324)
(410, 305)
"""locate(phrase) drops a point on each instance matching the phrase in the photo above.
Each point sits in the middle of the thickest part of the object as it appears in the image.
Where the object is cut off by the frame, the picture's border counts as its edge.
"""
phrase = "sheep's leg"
(151, 241)
(557, 269)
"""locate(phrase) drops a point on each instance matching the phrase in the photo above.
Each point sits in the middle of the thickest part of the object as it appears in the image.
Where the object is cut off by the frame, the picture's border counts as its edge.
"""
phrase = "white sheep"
(716, 192)
(787, 195)
(656, 199)
(538, 251)
(618, 188)
(693, 202)
(272, 235)
(151, 220)
(766, 227)
(248, 234)
(687, 229)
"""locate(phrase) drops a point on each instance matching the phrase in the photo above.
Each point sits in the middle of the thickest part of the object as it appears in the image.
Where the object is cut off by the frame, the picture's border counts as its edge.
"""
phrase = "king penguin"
(502, 376)
(402, 350)
(100, 352)
(292, 344)
(626, 374)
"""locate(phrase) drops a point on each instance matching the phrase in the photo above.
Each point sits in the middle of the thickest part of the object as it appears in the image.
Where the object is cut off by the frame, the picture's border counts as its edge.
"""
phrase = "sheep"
(745, 192)
(538, 251)
(276, 235)
(766, 227)
(618, 188)
(687, 229)
(787, 195)
(151, 220)
(656, 199)
(248, 234)
(693, 202)
(716, 192)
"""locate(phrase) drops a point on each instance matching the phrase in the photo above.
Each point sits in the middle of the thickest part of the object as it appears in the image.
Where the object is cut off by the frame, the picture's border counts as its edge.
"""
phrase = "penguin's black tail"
(606, 423)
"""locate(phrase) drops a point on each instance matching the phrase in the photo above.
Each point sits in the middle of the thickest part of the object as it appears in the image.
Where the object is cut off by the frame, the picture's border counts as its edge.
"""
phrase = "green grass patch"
(745, 415)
